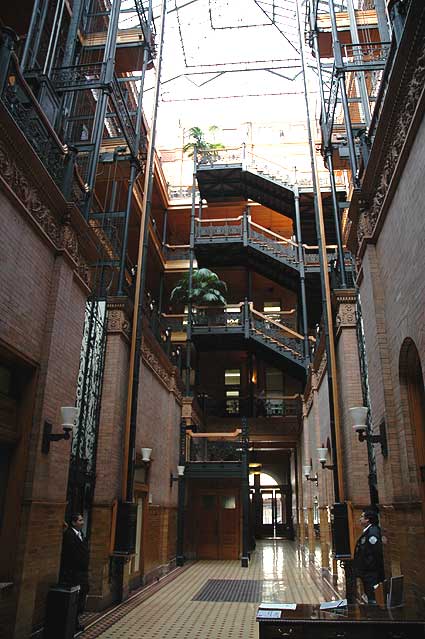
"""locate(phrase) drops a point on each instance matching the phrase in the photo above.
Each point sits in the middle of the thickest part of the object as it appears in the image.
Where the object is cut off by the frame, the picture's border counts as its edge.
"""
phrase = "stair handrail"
(172, 247)
(278, 324)
(218, 219)
(281, 239)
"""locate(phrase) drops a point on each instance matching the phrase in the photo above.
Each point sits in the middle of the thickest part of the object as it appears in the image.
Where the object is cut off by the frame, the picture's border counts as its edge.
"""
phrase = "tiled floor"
(172, 613)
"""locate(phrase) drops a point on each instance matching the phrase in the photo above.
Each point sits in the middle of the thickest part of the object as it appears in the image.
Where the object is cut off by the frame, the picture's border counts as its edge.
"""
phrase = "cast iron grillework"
(238, 590)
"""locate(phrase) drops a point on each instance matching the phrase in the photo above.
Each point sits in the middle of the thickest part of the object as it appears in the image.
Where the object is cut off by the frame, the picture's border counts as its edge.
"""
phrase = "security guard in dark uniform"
(368, 557)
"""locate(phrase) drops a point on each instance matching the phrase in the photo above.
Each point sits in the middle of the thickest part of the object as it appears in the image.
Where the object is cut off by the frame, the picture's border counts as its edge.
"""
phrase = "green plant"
(207, 289)
(207, 152)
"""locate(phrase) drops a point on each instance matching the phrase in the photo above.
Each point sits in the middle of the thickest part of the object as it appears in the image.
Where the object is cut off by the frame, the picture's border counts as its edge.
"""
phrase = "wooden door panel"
(229, 532)
(207, 525)
(218, 524)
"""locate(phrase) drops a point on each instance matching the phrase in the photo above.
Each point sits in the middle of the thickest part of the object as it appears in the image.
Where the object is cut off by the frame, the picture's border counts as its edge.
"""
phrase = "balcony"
(214, 455)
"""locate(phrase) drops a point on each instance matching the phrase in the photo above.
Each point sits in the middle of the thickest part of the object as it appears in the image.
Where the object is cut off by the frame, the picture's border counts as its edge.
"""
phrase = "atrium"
(212, 345)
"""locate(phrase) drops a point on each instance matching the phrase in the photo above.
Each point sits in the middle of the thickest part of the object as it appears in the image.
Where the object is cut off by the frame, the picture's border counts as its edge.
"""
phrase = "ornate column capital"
(120, 311)
(345, 304)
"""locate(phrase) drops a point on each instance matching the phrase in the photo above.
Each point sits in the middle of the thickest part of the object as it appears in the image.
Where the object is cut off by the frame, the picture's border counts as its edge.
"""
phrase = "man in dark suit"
(75, 562)
(368, 557)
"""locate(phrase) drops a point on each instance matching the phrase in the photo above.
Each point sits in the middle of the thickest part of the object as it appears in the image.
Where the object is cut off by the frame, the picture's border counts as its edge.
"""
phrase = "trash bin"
(61, 612)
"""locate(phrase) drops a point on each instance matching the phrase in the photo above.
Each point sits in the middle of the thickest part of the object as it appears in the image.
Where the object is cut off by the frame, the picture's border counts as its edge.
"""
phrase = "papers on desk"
(278, 606)
(329, 605)
(268, 614)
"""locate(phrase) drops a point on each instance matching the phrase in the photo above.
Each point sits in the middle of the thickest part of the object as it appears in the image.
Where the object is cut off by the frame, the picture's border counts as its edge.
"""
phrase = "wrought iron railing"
(22, 105)
(278, 326)
(204, 449)
(285, 176)
(243, 228)
(176, 252)
(367, 52)
(281, 337)
(255, 406)
(81, 76)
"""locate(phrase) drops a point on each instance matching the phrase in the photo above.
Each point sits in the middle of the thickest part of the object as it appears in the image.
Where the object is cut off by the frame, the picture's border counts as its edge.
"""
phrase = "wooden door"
(207, 525)
(228, 525)
(218, 524)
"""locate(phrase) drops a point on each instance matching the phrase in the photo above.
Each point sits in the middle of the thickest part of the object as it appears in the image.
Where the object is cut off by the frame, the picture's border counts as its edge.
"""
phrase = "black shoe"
(79, 627)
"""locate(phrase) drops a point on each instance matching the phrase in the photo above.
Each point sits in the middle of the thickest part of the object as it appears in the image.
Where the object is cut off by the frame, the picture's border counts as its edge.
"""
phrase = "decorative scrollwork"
(408, 96)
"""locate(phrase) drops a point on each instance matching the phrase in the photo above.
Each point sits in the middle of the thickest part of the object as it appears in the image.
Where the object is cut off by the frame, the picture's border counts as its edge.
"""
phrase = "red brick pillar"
(44, 502)
(103, 590)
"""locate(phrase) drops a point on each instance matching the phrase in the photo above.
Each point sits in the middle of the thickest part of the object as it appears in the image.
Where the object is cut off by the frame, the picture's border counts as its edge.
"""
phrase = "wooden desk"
(349, 622)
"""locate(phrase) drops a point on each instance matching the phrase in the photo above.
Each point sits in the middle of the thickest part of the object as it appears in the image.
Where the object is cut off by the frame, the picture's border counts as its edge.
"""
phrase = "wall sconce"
(142, 465)
(69, 416)
(180, 473)
(323, 455)
(306, 473)
(358, 416)
(146, 454)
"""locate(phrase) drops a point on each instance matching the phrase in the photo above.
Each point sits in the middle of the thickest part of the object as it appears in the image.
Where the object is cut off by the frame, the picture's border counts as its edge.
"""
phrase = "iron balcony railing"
(243, 229)
(285, 176)
(215, 448)
(262, 405)
(243, 319)
(22, 105)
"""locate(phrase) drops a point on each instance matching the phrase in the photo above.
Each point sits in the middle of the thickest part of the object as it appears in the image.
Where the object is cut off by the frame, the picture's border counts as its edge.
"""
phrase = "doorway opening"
(269, 507)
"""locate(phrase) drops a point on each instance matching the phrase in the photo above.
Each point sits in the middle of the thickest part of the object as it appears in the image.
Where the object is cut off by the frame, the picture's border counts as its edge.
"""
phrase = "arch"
(265, 480)
(413, 393)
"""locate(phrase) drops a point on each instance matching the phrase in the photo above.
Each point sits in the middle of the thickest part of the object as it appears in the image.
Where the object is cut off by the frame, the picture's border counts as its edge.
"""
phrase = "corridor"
(217, 599)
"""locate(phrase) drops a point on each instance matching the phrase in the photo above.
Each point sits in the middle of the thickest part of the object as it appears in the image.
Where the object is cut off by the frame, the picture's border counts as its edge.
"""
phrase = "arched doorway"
(412, 381)
(270, 507)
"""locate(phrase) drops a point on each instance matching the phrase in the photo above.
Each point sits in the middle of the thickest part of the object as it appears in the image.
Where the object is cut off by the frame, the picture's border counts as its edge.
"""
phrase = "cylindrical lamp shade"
(69, 416)
(306, 470)
(323, 454)
(146, 454)
(358, 416)
(180, 471)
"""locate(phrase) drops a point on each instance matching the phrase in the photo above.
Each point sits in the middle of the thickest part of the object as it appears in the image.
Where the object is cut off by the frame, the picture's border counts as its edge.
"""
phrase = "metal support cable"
(326, 296)
(102, 103)
(326, 136)
(358, 56)
(302, 273)
(134, 163)
(137, 324)
(341, 82)
(51, 50)
(190, 282)
(30, 32)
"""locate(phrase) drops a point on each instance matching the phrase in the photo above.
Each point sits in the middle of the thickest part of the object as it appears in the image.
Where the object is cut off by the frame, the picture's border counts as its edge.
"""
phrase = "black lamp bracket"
(364, 436)
(48, 437)
(173, 478)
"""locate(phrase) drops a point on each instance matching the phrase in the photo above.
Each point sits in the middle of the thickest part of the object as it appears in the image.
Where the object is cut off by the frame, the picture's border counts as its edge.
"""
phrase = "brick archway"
(413, 394)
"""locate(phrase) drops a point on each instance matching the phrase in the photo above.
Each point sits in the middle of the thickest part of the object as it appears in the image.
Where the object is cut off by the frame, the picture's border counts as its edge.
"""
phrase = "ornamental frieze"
(410, 92)
(166, 378)
(28, 195)
(60, 233)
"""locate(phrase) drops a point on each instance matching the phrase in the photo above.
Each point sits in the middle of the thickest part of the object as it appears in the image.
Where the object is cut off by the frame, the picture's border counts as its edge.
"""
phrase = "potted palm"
(207, 289)
(207, 152)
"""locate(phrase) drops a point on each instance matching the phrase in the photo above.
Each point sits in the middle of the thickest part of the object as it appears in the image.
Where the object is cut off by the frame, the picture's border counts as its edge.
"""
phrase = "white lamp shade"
(180, 471)
(323, 454)
(358, 416)
(146, 454)
(306, 470)
(69, 416)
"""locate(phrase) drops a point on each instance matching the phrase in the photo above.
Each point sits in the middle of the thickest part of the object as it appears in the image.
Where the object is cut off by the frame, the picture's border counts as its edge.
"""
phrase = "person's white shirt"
(78, 533)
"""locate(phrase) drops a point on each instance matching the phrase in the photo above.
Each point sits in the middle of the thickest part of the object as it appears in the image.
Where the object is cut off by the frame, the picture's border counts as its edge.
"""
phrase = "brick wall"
(393, 311)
